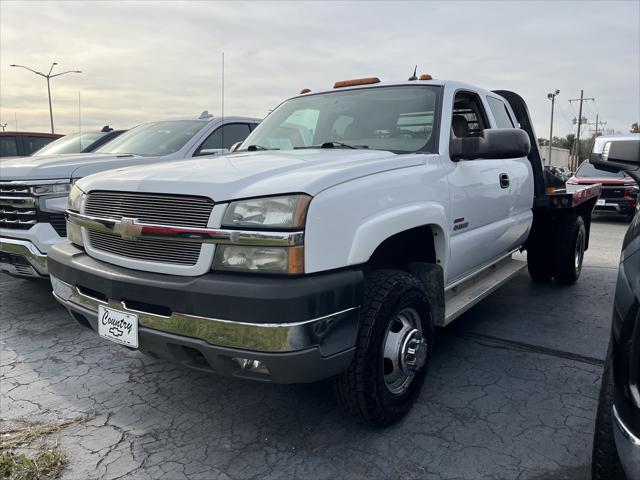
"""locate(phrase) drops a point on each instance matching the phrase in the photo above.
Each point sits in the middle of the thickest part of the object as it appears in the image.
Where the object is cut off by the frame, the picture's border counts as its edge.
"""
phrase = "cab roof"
(453, 84)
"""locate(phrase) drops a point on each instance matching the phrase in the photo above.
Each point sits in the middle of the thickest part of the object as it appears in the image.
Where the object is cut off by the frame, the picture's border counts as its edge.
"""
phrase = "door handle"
(504, 180)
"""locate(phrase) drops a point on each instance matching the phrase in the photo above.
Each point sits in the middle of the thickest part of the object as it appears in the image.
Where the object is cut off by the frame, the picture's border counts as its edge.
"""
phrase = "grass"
(42, 460)
(47, 464)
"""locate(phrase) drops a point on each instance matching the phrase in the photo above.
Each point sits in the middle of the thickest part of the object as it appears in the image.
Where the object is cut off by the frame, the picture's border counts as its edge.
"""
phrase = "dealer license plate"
(600, 202)
(117, 326)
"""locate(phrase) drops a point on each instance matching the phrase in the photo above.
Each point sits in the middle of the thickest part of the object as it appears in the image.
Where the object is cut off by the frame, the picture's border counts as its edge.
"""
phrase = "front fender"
(376, 229)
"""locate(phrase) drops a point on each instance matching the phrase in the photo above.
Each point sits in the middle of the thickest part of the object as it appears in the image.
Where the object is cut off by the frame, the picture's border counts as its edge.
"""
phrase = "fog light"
(251, 365)
(61, 289)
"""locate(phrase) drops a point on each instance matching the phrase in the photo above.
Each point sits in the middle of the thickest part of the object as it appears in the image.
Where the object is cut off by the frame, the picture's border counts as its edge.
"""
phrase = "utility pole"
(552, 97)
(597, 124)
(3, 126)
(580, 122)
(48, 77)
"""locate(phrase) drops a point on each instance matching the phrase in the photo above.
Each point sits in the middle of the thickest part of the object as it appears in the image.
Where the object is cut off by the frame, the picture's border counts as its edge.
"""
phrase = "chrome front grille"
(17, 207)
(610, 191)
(160, 209)
(150, 250)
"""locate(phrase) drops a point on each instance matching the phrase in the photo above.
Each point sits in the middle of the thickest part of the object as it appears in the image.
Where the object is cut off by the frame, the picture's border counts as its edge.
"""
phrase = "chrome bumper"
(628, 446)
(272, 338)
(21, 258)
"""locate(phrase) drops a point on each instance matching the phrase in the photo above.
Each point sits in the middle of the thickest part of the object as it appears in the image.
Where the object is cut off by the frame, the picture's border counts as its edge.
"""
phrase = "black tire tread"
(351, 387)
(563, 262)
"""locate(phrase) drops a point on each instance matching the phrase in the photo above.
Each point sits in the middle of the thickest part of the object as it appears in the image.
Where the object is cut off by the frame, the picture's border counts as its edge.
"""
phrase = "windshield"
(73, 143)
(587, 170)
(154, 139)
(399, 119)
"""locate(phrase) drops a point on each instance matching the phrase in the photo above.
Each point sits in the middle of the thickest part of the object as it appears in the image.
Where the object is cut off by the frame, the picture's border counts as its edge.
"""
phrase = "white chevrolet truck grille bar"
(132, 229)
(164, 209)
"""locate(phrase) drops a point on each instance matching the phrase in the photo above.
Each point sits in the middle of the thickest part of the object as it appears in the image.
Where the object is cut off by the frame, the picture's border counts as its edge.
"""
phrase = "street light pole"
(552, 97)
(48, 77)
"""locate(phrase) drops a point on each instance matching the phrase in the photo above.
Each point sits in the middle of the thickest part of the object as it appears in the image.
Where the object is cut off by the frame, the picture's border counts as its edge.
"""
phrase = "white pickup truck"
(329, 244)
(34, 190)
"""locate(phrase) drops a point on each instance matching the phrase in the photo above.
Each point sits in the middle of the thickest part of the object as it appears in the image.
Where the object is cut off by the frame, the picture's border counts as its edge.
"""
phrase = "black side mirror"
(493, 143)
(618, 155)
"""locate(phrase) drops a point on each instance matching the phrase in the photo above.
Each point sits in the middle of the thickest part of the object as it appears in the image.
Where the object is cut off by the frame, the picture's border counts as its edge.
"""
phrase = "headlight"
(281, 212)
(61, 186)
(75, 199)
(74, 232)
(287, 260)
(288, 211)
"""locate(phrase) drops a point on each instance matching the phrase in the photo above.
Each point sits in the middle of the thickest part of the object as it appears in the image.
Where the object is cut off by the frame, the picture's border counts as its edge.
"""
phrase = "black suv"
(616, 443)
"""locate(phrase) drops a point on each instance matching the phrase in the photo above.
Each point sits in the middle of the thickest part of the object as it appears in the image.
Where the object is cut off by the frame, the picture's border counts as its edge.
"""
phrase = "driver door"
(479, 196)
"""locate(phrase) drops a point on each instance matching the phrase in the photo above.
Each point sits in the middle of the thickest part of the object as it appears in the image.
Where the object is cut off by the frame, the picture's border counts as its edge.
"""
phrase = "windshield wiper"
(253, 148)
(333, 144)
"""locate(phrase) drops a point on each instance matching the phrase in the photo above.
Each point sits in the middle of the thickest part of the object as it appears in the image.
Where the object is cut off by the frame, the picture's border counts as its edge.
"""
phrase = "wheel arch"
(396, 238)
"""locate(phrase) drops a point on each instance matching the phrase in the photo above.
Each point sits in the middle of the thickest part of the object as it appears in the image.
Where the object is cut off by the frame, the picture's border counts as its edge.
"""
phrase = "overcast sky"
(148, 60)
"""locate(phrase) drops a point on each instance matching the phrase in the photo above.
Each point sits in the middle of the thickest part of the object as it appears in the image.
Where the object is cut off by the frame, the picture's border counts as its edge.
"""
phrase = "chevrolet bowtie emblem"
(129, 230)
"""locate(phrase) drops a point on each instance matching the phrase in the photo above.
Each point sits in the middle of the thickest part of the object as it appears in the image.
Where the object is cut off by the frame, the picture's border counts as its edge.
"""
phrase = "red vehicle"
(20, 144)
(619, 191)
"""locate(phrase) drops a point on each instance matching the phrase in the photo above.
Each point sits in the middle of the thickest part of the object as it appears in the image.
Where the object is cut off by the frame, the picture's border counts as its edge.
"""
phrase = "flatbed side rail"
(560, 198)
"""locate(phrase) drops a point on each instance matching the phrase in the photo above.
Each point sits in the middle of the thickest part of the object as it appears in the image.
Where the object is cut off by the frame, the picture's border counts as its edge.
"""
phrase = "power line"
(580, 122)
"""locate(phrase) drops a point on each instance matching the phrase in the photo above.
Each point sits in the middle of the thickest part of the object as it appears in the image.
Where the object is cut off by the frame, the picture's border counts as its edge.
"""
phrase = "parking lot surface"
(511, 394)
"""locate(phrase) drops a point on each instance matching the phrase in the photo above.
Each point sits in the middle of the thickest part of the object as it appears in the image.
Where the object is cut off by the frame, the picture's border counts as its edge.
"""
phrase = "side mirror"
(494, 143)
(618, 155)
(235, 146)
(211, 151)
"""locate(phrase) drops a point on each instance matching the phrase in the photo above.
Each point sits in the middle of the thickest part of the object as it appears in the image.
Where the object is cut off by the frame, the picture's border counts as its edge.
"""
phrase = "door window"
(8, 147)
(31, 144)
(225, 136)
(500, 113)
(469, 117)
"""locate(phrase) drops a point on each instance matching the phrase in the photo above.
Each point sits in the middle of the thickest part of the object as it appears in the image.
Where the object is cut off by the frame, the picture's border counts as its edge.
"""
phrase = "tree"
(635, 128)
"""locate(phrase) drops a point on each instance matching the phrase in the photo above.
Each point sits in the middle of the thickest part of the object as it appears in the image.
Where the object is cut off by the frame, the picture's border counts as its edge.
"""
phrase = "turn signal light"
(356, 81)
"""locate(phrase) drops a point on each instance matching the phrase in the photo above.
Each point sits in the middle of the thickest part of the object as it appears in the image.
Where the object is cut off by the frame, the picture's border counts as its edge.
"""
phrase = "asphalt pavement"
(511, 394)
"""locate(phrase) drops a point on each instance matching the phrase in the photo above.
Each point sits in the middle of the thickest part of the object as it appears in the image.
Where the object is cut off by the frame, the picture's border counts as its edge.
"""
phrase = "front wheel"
(392, 350)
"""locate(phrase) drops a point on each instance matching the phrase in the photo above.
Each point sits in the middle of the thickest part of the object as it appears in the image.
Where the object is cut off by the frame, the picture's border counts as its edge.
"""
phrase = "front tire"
(605, 463)
(392, 350)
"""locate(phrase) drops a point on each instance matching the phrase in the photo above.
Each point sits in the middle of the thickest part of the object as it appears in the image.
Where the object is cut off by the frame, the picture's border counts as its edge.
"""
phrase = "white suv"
(34, 190)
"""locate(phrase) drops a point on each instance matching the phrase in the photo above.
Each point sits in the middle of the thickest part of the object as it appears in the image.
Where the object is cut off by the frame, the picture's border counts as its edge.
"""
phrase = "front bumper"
(22, 258)
(299, 329)
(621, 205)
(628, 446)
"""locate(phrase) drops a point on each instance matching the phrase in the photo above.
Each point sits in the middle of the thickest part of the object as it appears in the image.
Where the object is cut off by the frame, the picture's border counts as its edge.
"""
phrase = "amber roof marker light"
(305, 90)
(425, 76)
(356, 81)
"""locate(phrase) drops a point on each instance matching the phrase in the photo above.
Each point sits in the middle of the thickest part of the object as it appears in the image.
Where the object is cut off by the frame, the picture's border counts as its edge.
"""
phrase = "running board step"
(465, 295)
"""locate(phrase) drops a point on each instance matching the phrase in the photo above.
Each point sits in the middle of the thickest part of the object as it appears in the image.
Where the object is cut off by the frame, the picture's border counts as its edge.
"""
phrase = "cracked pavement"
(511, 394)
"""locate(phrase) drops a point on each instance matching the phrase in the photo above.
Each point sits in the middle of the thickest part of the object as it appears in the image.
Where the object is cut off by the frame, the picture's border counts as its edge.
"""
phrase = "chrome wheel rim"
(404, 351)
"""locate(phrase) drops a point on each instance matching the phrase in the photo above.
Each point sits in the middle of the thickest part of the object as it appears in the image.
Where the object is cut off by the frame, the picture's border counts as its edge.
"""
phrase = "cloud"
(148, 60)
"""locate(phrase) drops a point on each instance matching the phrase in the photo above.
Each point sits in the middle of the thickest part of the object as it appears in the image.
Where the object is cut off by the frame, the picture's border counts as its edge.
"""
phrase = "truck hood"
(252, 174)
(75, 165)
